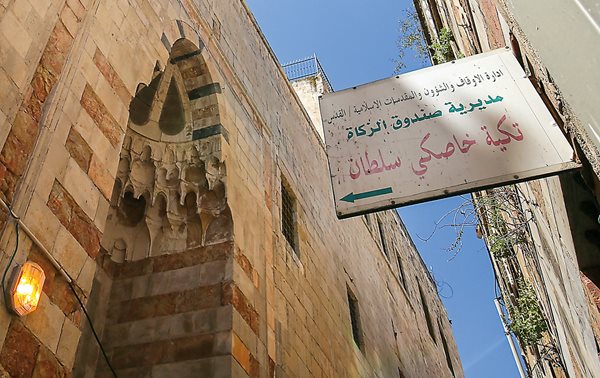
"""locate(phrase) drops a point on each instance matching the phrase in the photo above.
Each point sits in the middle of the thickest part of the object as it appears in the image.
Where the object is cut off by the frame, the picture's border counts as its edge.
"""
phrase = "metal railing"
(306, 67)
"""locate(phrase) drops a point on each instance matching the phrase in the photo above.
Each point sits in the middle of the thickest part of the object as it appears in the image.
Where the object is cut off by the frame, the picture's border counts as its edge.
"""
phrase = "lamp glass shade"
(26, 288)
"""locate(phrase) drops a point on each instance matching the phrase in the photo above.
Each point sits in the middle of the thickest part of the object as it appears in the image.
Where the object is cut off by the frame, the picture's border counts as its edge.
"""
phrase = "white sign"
(448, 129)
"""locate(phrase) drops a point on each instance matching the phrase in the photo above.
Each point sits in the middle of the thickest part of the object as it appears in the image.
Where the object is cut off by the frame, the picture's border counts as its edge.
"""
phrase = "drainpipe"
(510, 340)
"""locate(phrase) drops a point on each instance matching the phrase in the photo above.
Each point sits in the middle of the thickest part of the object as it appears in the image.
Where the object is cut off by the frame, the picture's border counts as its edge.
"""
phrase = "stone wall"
(203, 279)
(562, 212)
(309, 89)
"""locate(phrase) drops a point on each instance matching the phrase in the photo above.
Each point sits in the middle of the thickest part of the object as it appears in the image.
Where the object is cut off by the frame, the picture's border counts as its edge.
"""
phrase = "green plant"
(410, 40)
(442, 47)
(527, 320)
(500, 246)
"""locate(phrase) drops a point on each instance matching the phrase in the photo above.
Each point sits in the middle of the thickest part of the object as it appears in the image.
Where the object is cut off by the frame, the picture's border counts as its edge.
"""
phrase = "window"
(427, 315)
(383, 241)
(355, 319)
(288, 217)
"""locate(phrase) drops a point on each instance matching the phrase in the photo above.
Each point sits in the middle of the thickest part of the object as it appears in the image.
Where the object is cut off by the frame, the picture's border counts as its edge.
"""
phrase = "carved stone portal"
(170, 194)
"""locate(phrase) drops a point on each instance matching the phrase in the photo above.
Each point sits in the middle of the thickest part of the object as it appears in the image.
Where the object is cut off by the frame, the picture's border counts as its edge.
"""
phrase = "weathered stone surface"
(96, 109)
(67, 345)
(74, 219)
(217, 191)
(20, 351)
(46, 323)
(55, 287)
(112, 77)
(161, 352)
(233, 295)
(79, 150)
(47, 366)
(169, 304)
(101, 178)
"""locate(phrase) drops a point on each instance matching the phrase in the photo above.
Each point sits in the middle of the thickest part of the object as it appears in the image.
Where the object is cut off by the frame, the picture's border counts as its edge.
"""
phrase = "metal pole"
(510, 340)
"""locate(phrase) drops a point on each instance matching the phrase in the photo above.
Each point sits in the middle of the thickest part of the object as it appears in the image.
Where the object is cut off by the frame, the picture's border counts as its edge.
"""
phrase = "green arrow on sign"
(351, 197)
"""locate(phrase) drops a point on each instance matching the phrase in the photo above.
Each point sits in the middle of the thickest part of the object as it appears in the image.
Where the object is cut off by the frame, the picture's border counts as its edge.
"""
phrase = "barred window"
(355, 319)
(288, 217)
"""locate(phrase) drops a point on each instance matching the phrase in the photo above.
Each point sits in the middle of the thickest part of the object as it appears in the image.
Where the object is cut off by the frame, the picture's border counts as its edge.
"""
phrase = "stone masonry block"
(79, 150)
(81, 188)
(13, 30)
(41, 221)
(113, 79)
(19, 351)
(101, 177)
(68, 252)
(101, 116)
(68, 212)
(67, 345)
(70, 20)
(46, 323)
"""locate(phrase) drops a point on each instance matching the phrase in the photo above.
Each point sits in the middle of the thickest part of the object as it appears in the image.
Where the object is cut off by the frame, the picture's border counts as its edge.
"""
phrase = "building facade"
(166, 177)
(542, 234)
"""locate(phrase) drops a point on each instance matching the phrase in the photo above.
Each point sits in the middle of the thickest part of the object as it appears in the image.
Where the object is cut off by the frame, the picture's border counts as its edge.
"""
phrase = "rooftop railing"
(306, 67)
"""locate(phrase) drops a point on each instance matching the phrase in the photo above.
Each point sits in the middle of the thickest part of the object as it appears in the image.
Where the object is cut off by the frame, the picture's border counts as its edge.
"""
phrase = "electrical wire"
(93, 330)
(12, 257)
(15, 218)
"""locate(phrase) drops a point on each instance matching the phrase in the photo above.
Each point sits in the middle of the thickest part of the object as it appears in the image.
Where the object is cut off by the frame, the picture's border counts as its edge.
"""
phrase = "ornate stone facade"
(145, 144)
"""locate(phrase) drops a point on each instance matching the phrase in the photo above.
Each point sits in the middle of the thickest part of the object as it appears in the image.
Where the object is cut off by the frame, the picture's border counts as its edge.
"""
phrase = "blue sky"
(356, 44)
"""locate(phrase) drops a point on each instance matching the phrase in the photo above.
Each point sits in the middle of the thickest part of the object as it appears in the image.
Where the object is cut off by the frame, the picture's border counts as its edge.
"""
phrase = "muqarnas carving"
(170, 193)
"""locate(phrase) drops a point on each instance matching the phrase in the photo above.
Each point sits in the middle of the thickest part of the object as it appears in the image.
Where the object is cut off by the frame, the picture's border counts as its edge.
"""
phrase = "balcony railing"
(306, 67)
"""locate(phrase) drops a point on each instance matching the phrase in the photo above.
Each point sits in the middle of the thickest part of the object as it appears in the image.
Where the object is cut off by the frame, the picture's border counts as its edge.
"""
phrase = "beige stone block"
(81, 188)
(101, 146)
(10, 95)
(110, 99)
(86, 127)
(85, 279)
(41, 6)
(54, 167)
(8, 244)
(21, 10)
(69, 20)
(72, 107)
(90, 47)
(41, 221)
(4, 128)
(46, 323)
(67, 345)
(77, 86)
(101, 214)
(69, 253)
(102, 38)
(89, 69)
(103, 180)
(14, 32)
(5, 318)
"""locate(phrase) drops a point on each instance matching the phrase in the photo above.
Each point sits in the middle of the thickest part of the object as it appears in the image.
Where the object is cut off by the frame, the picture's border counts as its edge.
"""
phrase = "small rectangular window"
(288, 217)
(355, 319)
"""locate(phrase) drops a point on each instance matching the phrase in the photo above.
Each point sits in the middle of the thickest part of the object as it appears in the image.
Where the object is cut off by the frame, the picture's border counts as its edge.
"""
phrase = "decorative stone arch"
(171, 166)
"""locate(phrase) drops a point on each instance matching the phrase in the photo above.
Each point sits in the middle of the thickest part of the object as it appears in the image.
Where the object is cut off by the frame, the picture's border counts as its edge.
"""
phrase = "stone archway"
(167, 246)
(170, 170)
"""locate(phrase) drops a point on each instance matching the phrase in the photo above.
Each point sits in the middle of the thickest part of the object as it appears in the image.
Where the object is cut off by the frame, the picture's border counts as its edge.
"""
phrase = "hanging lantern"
(26, 288)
